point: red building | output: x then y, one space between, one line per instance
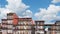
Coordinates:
15 25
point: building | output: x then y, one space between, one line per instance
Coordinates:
57 27
50 28
23 26
39 27
0 28
15 25
7 24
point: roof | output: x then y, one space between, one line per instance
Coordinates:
21 19
10 13
49 24
4 19
40 20
57 22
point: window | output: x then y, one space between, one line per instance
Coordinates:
4 31
29 23
21 32
25 23
57 27
29 32
10 17
40 27
34 26
20 23
17 32
39 32
58 23
10 21
25 32
4 25
10 26
4 21
13 27
37 22
27 27
18 27
21 27
10 31
57 32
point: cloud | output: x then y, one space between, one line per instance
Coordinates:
48 14
16 6
3 12
55 1
28 13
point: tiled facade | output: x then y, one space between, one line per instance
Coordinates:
15 25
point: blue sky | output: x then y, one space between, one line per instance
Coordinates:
47 10
3 3
34 4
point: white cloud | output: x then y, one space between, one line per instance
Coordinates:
48 14
28 13
55 1
16 6
3 13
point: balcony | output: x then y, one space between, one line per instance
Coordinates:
10 31
24 23
24 27
23 32
4 28
10 27
39 27
10 21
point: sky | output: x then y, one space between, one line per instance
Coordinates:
47 10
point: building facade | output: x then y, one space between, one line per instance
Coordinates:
39 27
57 27
15 25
